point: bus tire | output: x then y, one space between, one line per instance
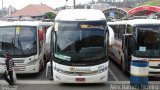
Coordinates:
45 59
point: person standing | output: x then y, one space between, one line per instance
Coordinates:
9 69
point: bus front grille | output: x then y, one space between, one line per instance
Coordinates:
18 61
19 65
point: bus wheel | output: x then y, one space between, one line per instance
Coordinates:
45 59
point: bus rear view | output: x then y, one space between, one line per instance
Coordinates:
79 45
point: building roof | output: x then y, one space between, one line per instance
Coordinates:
33 10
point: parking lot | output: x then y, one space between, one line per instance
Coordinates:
116 81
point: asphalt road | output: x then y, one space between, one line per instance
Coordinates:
116 81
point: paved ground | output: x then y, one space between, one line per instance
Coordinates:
49 85
116 81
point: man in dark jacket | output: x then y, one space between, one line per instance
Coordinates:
9 72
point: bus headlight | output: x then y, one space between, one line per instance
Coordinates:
59 70
32 62
102 70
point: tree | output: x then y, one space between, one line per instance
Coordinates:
49 15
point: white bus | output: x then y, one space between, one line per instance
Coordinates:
137 39
25 43
79 45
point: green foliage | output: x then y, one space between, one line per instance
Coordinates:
153 3
49 15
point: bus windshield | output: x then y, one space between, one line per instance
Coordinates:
148 44
80 40
19 41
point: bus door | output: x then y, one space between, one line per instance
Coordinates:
126 50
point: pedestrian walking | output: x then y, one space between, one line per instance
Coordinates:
9 68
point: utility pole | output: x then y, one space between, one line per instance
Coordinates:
74 4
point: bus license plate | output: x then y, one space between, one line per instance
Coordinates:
80 79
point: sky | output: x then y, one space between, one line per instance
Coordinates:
19 4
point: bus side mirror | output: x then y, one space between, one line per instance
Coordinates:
52 40
111 36
52 43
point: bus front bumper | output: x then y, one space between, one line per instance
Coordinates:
98 78
154 72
